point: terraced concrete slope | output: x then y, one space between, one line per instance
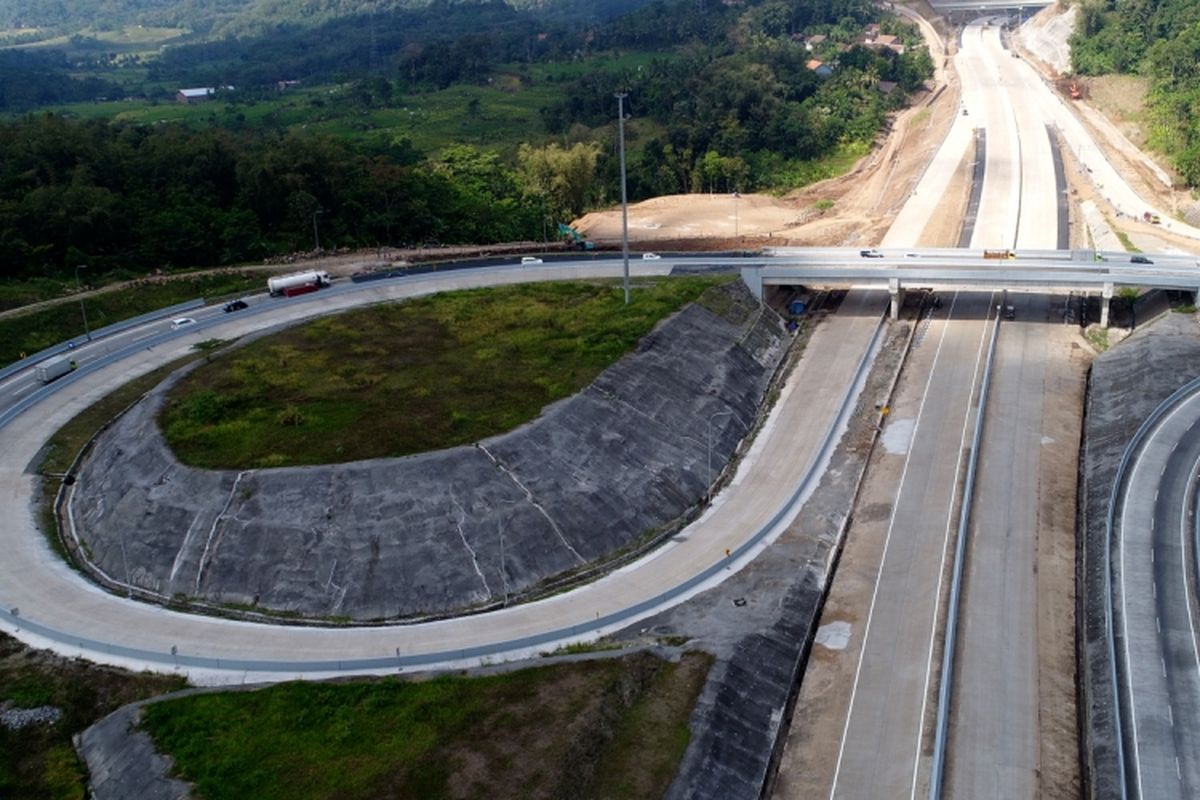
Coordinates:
445 531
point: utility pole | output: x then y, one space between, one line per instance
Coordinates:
82 308
624 198
316 236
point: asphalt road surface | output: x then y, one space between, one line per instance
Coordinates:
880 753
884 745
36 586
1156 608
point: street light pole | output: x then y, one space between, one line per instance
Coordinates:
624 198
82 307
736 195
725 413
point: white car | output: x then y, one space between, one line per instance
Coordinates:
181 322
530 260
650 256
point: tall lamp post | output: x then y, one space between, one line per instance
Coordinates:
725 413
316 236
624 199
736 195
82 307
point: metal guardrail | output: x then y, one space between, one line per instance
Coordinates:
173 657
1116 499
964 518
99 333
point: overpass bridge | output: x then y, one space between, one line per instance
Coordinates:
986 7
1086 271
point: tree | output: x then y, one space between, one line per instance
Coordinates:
563 178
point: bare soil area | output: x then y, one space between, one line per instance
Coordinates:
854 209
1065 385
1121 98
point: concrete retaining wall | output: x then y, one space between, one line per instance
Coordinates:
440 532
1126 384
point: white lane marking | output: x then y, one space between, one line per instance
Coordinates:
887 540
1178 773
1171 718
1157 623
937 605
1183 562
1163 663
24 389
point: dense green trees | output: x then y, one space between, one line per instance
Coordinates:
731 105
117 196
1160 39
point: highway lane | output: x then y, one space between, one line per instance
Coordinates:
1055 110
883 747
35 581
993 742
994 731
1156 608
880 751
24 381
997 223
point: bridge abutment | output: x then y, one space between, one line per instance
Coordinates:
1105 302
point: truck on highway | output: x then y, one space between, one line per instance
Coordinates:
315 278
54 368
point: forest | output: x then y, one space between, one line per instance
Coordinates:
726 104
1159 39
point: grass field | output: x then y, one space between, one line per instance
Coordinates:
39 329
507 112
391 380
613 728
39 761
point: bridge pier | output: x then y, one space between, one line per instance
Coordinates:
897 298
1105 302
752 276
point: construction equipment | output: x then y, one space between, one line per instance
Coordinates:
575 237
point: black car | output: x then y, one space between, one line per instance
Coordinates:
236 305
1139 260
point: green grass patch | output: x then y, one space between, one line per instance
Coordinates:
1126 242
795 174
45 327
1098 338
39 761
613 728
506 114
397 379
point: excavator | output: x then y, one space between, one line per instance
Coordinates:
575 237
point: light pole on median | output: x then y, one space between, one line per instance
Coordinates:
624 199
82 307
725 413
736 195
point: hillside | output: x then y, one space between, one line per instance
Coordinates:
221 18
1159 39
